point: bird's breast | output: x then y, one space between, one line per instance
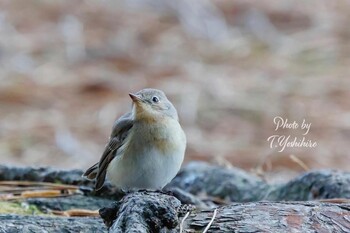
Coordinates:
166 136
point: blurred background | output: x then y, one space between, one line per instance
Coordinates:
230 67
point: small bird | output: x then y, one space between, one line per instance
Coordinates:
146 147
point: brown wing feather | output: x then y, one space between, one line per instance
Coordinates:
119 132
91 172
107 156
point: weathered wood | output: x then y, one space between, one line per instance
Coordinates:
68 202
156 212
20 224
44 174
313 185
274 217
49 174
234 184
231 184
203 185
143 212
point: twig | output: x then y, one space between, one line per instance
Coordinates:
335 200
299 162
77 213
34 194
183 221
211 221
34 183
13 190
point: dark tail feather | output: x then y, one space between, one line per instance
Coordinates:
100 179
91 173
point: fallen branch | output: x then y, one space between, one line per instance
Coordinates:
156 212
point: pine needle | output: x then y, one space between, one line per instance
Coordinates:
77 213
299 162
183 221
34 183
13 190
211 221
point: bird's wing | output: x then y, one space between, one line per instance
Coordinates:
119 132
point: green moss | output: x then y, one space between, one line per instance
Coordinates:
19 208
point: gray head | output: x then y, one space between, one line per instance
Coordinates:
152 103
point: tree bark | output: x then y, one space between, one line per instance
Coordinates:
205 186
39 224
157 212
273 217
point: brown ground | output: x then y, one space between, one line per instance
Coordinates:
229 67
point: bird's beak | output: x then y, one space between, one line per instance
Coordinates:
135 98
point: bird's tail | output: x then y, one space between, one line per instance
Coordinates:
91 173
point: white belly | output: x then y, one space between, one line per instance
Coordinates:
147 171
144 164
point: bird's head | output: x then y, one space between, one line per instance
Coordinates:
152 104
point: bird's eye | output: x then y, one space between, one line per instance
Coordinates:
155 99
